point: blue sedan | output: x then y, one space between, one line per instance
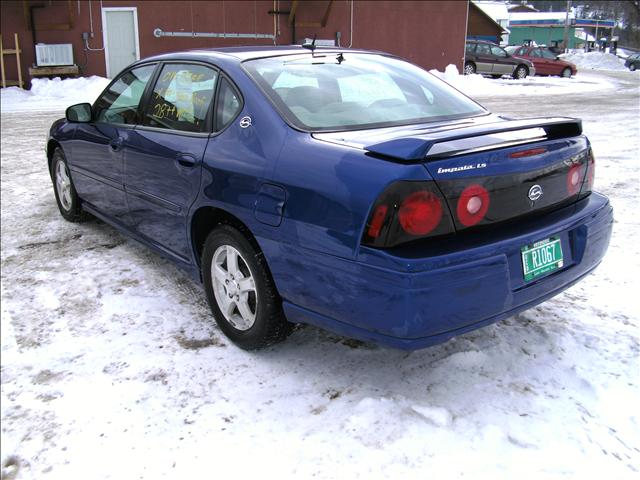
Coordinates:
342 188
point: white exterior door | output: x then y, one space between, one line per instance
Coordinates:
120 33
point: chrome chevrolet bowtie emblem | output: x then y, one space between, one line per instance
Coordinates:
535 193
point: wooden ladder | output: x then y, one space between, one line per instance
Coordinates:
12 51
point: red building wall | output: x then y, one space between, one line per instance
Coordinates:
428 33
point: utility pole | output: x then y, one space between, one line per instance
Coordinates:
565 40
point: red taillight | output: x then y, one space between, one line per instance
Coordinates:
574 179
472 205
407 211
420 213
377 220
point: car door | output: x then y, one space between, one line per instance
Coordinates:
484 62
502 62
97 156
539 62
163 159
552 66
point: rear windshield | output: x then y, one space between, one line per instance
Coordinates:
350 91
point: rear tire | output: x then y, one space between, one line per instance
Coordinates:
67 198
520 72
566 73
240 291
469 68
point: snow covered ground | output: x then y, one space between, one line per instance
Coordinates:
477 85
52 95
113 368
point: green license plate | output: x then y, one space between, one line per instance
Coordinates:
541 258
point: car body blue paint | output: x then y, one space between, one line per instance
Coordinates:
415 297
306 200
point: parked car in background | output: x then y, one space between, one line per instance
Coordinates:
633 62
343 188
545 61
488 58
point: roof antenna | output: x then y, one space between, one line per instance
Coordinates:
311 46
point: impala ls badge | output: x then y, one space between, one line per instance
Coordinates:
535 193
245 122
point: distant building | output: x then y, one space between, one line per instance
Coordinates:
547 28
482 25
103 36
523 7
498 11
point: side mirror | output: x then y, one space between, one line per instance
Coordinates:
80 113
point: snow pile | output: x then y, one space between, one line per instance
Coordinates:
594 60
469 84
478 85
52 94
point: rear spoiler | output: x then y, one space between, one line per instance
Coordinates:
418 147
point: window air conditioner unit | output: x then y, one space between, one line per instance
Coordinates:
54 55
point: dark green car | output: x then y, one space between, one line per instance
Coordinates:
633 62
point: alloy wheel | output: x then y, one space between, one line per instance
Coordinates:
63 186
234 287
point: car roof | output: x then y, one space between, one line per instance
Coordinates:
253 52
483 41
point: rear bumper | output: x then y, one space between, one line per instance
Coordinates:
411 300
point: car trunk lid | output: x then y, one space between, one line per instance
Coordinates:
489 170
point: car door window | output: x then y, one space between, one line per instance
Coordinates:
498 52
548 54
535 53
228 106
470 47
119 104
483 49
181 98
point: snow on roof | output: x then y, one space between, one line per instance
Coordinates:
581 34
539 15
496 9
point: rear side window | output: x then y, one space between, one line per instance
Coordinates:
119 104
181 98
470 47
229 104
